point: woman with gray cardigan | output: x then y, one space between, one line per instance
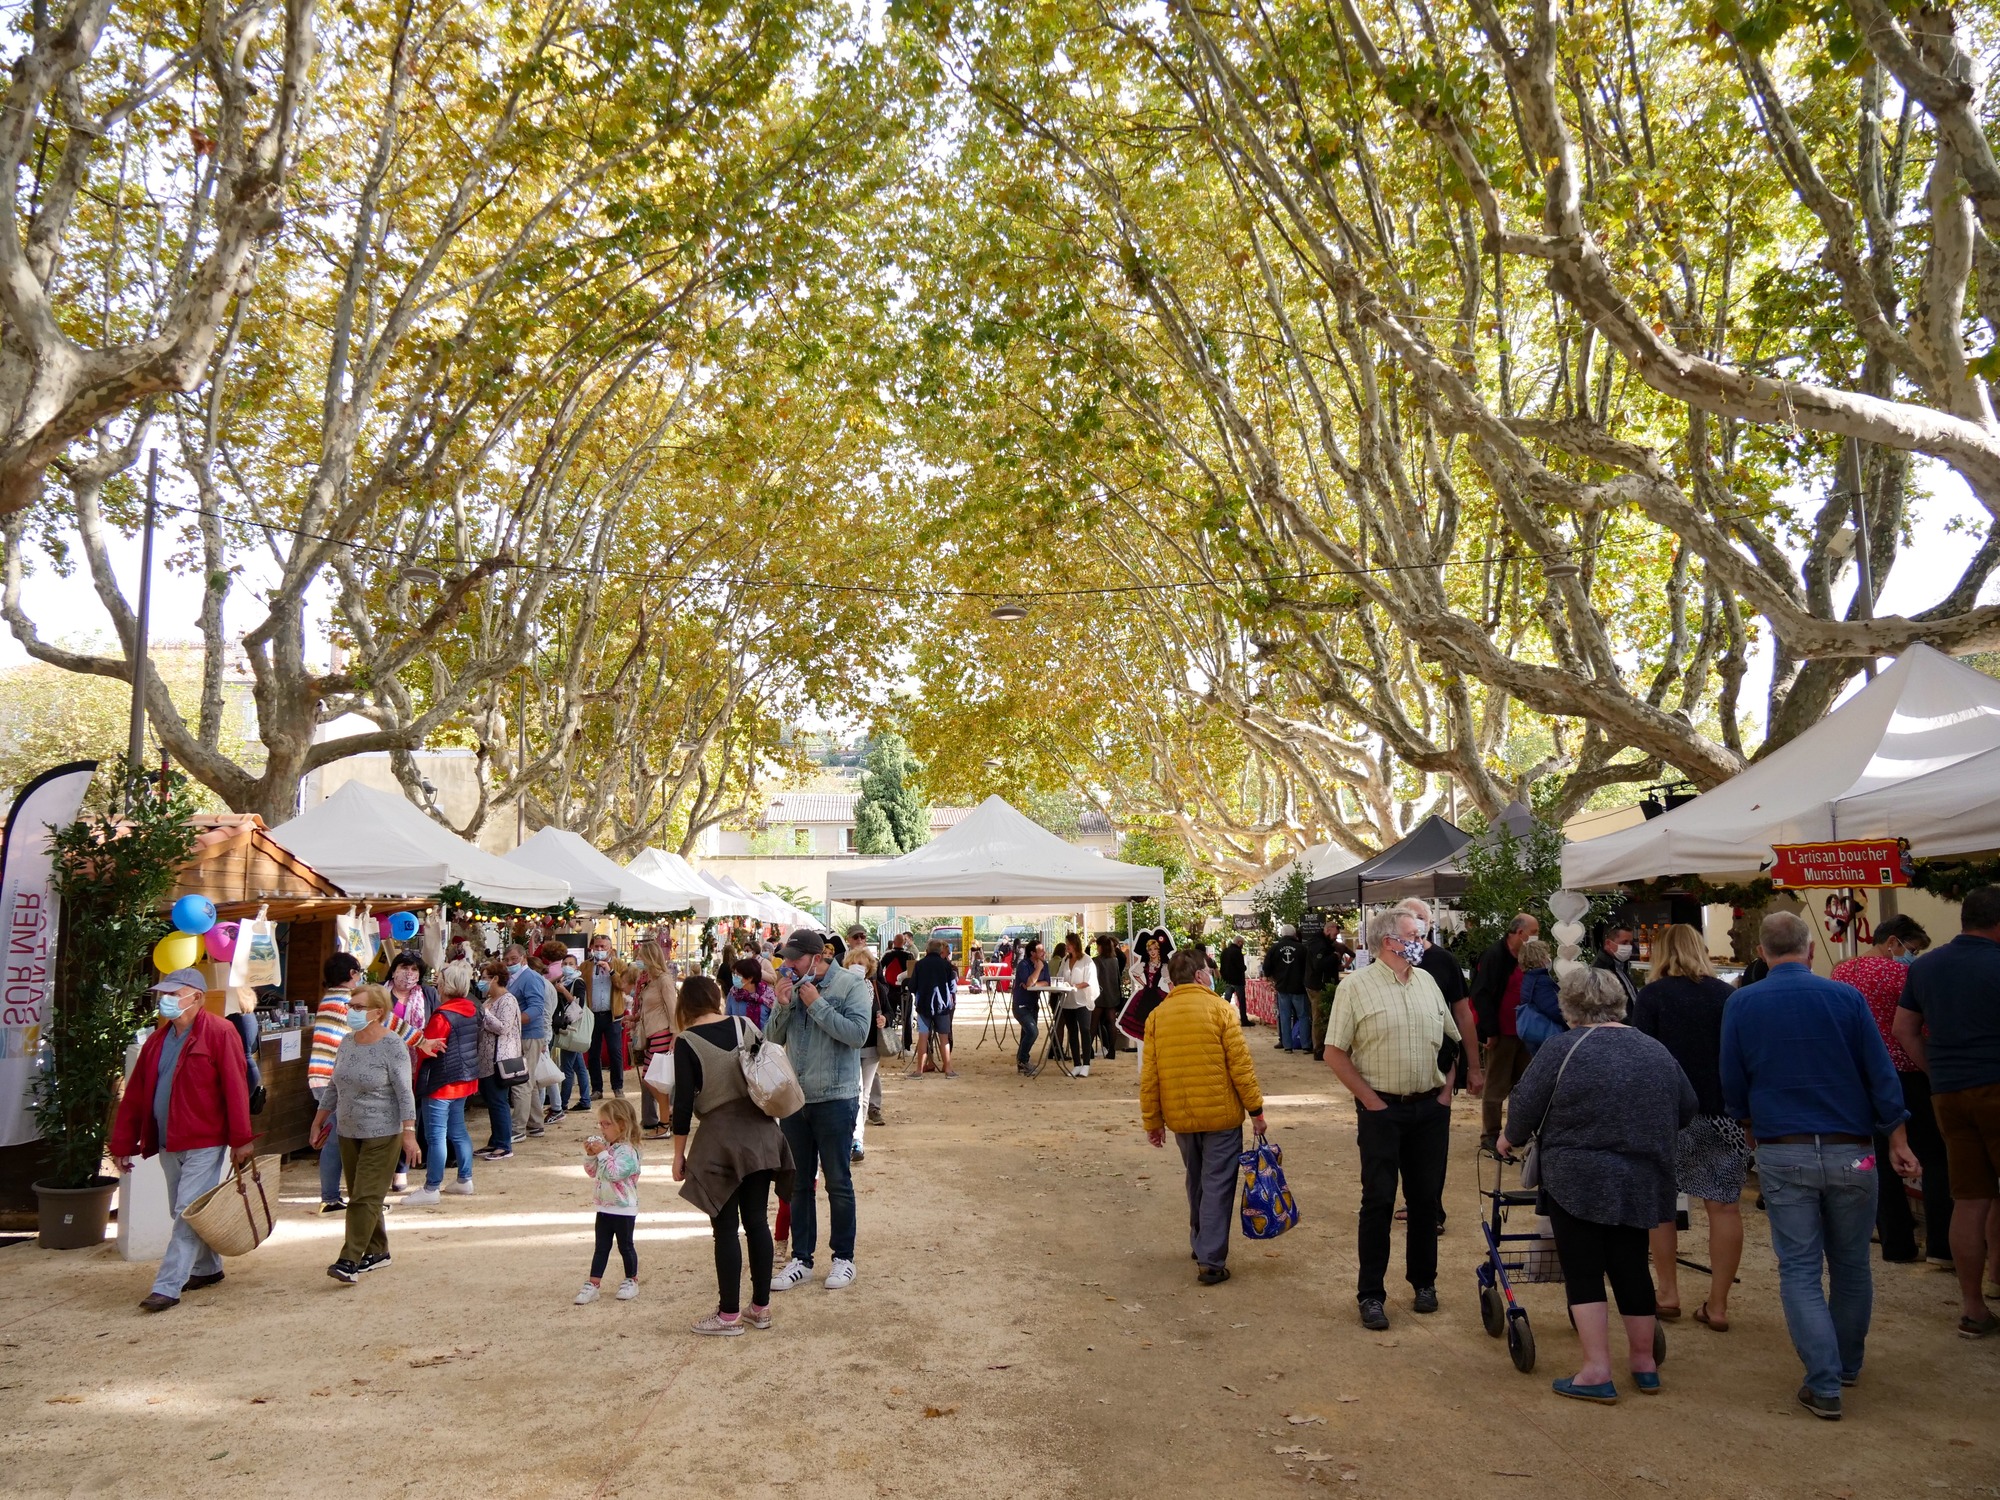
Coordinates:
369 1093
1606 1103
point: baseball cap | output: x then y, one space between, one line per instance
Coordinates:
857 931
180 979
803 945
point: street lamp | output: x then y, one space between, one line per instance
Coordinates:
1010 611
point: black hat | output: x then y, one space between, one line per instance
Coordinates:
803 945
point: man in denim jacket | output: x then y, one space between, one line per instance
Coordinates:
822 1019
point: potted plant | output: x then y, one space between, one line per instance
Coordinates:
112 873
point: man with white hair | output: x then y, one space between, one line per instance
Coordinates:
1285 967
1806 1073
1383 1042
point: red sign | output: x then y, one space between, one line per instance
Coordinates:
1847 862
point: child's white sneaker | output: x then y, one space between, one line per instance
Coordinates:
627 1289
796 1273
587 1295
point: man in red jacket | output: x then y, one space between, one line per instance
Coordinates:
188 1100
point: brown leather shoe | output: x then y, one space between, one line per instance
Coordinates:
196 1283
157 1302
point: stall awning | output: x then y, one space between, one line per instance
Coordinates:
1876 759
596 881
1419 855
996 859
671 872
374 844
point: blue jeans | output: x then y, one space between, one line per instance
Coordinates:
1027 1015
576 1070
1294 1022
329 1157
499 1111
444 1119
1820 1201
189 1175
822 1139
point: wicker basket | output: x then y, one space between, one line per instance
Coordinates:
234 1216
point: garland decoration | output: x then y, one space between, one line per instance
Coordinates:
631 914
1950 879
1954 879
462 903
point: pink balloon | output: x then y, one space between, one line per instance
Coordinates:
221 941
382 928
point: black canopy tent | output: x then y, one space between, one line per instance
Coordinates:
1423 863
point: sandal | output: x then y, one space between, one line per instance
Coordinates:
1978 1328
1667 1314
1717 1325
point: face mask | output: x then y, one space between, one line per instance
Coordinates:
170 1007
569 971
1412 949
514 969
357 1016
1906 959
736 981
1622 952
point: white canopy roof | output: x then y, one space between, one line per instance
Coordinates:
596 881
670 872
1896 759
1317 861
374 843
996 860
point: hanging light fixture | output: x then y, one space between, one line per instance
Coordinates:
1010 610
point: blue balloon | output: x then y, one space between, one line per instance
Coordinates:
403 926
195 914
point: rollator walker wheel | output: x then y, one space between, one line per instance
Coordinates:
1493 1310
1521 1344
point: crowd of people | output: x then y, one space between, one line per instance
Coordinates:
1622 1095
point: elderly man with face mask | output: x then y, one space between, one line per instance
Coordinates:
188 1102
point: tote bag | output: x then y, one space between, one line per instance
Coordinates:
234 1217
767 1073
1268 1206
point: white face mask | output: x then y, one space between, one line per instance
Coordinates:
1622 952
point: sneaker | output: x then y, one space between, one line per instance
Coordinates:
459 1187
627 1289
533 1130
796 1273
874 1115
587 1296
519 1136
423 1197
373 1261
840 1274
1212 1275
335 1207
1427 1300
857 1154
401 1183
1968 1328
1826 1408
1082 1072
757 1317
495 1153
345 1271
1374 1317
715 1326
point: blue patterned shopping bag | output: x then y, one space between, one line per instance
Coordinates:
1268 1206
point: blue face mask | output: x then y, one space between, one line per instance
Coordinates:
170 1007
357 1016
1906 959
513 969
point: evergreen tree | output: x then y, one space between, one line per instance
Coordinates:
892 816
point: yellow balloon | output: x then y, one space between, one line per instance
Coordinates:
177 950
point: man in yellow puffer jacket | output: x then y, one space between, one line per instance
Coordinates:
1196 1079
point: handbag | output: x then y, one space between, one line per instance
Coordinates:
767 1073
512 1070
548 1072
660 1072
1531 1159
234 1217
889 1040
1268 1206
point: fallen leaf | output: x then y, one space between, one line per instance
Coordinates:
322 1393
1347 1400
1524 1474
62 1401
1239 1395
259 1400
1963 1443
999 1367
214 1456
1649 1478
1319 1458
1292 1452
940 1411
1305 1420
156 1400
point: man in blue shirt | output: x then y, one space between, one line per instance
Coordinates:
1805 1070
533 994
1949 1022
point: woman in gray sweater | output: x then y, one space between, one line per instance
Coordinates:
1606 1103
370 1095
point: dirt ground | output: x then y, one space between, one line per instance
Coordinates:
1026 1322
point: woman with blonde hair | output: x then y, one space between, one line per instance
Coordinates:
370 1094
1682 1010
654 985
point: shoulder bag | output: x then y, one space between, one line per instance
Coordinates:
767 1073
234 1217
511 1070
1531 1159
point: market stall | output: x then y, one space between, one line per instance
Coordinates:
671 872
597 883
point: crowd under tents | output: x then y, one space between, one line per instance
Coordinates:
1914 754
376 846
996 860
597 883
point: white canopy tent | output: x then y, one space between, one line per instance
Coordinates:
373 843
1902 757
996 860
1318 861
670 872
596 881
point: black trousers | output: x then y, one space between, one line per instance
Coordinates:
1894 1222
748 1206
607 1049
1409 1141
1074 1025
614 1227
1104 1022
1590 1252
